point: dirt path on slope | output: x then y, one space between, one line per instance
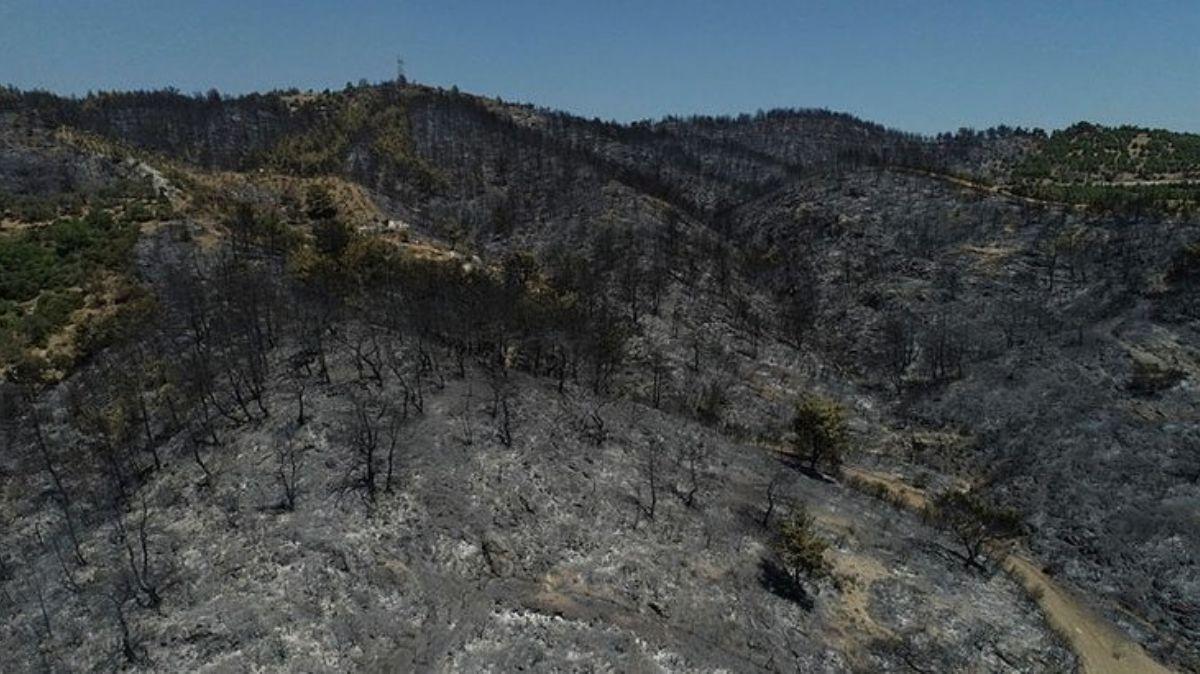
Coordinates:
1101 647
984 187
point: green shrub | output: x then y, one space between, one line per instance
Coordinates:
820 431
801 551
139 212
43 268
51 311
372 117
25 268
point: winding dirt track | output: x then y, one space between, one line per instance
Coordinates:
1101 647
984 187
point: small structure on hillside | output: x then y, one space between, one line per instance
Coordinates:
387 226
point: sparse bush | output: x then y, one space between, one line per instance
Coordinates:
651 471
974 522
138 212
774 495
1151 376
944 344
693 460
1185 267
877 490
289 459
711 405
897 347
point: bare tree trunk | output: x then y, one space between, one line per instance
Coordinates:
64 497
195 446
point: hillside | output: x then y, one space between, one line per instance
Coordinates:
1123 154
402 378
1123 170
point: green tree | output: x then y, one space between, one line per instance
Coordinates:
801 551
820 437
319 203
331 236
242 223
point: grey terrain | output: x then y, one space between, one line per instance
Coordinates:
550 426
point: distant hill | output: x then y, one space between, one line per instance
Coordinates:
1090 153
1125 169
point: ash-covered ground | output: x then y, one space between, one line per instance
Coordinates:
536 556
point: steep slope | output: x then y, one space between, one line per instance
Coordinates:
515 525
1063 384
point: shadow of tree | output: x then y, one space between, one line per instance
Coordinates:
801 466
813 473
988 567
777 581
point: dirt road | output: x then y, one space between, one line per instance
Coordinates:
1101 647
991 189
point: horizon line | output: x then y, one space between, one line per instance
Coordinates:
733 116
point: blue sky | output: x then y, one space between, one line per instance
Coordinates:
923 66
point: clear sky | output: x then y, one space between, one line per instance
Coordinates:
920 65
